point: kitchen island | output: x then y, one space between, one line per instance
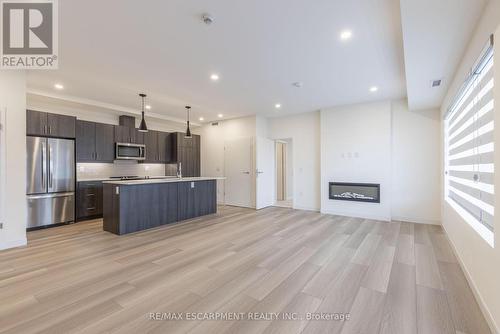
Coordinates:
136 205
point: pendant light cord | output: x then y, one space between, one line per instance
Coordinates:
142 106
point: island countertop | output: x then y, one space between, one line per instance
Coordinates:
163 180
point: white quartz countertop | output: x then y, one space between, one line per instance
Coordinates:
164 180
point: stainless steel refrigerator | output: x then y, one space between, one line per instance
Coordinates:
50 181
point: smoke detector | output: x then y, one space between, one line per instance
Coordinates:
207 18
297 84
436 83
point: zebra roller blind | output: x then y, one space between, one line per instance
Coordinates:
469 146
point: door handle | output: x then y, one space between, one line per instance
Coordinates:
44 166
246 172
51 166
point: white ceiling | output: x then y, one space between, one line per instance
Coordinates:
435 33
111 50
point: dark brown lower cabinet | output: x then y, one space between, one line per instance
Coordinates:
89 200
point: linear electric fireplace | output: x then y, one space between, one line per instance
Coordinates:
359 192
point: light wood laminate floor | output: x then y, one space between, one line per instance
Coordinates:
390 277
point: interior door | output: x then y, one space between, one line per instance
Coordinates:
264 172
61 162
238 167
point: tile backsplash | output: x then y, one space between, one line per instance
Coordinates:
118 168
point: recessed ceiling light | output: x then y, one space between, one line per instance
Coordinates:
148 107
58 86
220 115
277 106
345 35
214 77
201 119
373 89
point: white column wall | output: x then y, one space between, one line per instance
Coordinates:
13 103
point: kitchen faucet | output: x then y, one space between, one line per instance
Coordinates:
179 170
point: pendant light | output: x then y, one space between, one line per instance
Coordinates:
188 130
143 127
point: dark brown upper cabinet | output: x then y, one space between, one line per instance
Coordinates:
163 153
104 142
94 142
151 142
125 134
156 147
50 125
185 151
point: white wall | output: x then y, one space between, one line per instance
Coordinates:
415 160
13 101
212 145
356 147
384 143
478 259
303 129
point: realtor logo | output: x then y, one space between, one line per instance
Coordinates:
29 34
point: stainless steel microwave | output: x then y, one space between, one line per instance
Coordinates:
126 151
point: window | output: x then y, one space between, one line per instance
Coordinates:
469 148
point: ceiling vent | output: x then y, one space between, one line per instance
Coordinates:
436 83
215 123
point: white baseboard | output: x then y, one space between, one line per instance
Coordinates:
305 208
348 214
13 244
475 291
417 220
